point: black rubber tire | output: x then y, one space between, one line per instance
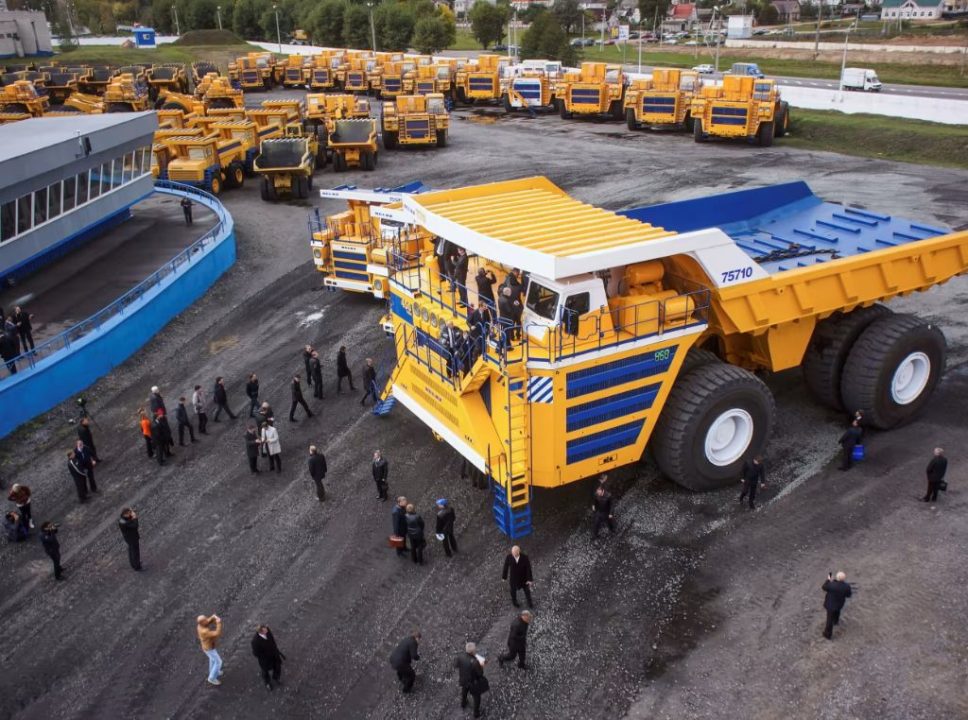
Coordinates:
321 157
630 119
215 185
688 122
565 115
782 119
874 360
366 160
374 159
339 162
697 132
697 357
389 139
765 134
696 400
264 187
616 111
506 102
235 175
462 96
441 138
823 362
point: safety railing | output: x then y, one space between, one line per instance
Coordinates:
75 333
365 235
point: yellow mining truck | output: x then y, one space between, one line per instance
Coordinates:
171 100
123 94
287 164
82 103
22 98
355 77
352 143
163 153
532 87
482 79
269 122
663 100
295 109
647 328
742 107
219 94
435 78
167 76
244 132
595 89
320 73
295 72
397 79
374 73
207 162
415 120
350 248
320 107
255 71
95 82
60 85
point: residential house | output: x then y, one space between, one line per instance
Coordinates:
912 9
787 11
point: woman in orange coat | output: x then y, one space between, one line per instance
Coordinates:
145 424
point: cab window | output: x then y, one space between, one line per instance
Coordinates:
542 301
575 307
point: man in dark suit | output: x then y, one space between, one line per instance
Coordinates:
399 519
935 472
485 286
317 471
381 470
402 659
221 398
471 677
848 441
267 653
602 506
252 392
48 538
184 423
343 370
460 275
252 442
317 369
297 399
837 593
84 459
128 525
445 526
307 363
78 475
754 475
369 383
85 435
517 640
517 572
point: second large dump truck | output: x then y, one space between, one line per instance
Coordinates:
286 166
741 108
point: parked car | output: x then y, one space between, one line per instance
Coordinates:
705 69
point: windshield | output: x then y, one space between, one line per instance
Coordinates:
611 76
436 106
443 73
408 67
542 301
197 153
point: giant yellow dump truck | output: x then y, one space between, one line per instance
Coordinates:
123 94
645 328
481 80
415 120
207 162
742 107
663 100
21 98
595 89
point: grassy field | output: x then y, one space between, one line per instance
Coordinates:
876 136
938 75
112 55
465 41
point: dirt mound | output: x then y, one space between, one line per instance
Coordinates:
209 37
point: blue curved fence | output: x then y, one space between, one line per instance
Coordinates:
66 364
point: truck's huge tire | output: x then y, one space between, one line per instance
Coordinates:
716 417
893 368
563 111
823 362
630 119
615 110
235 175
268 190
782 119
696 357
389 139
697 132
441 138
765 134
506 102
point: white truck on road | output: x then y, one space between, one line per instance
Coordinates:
860 79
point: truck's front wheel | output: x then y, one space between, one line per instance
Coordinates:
716 417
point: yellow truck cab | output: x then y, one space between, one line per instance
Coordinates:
244 132
481 80
295 71
742 107
645 328
665 99
207 162
22 98
595 89
415 120
355 80
321 76
162 152
532 85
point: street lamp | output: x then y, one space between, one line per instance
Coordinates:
843 62
275 9
218 13
174 10
369 6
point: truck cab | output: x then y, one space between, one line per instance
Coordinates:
567 303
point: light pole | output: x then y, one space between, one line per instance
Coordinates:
275 9
218 13
816 38
843 62
604 23
719 33
369 6
583 28
174 10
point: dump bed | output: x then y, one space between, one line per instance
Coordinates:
282 154
353 132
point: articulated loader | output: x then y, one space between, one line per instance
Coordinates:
742 107
647 328
663 100
415 120
123 94
596 89
22 98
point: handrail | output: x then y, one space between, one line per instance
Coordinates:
64 339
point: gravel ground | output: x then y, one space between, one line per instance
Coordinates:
691 587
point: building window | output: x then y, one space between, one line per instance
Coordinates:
25 212
54 200
83 187
70 193
94 184
106 177
8 220
40 206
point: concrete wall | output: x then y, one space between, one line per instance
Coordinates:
68 372
839 46
30 29
949 112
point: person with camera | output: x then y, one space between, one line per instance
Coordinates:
128 525
20 496
209 630
48 538
85 435
84 459
471 679
838 590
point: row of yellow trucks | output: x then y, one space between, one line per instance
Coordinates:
642 333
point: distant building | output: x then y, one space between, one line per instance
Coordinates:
911 10
787 10
680 18
739 27
24 33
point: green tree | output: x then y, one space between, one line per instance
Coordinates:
286 21
768 15
246 18
547 39
487 22
648 10
201 15
325 23
394 26
356 26
568 14
433 33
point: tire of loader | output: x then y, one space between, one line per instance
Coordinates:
265 189
893 368
765 134
823 362
716 417
630 119
697 132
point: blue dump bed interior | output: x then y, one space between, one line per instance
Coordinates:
784 227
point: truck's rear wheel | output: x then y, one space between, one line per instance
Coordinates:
339 162
615 110
235 176
688 122
716 417
823 363
697 132
442 138
696 357
782 119
506 102
389 139
268 190
893 368
765 134
215 185
630 119
563 110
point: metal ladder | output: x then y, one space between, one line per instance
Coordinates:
512 481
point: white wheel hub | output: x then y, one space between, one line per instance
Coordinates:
729 437
910 378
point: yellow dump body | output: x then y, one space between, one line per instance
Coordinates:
742 107
415 120
22 98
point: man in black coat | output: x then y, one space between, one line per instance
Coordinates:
848 441
77 475
460 275
399 520
317 370
297 399
402 659
517 640
252 441
159 439
267 653
517 572
8 353
381 469
343 370
369 382
24 327
445 526
754 475
837 593
317 471
84 459
602 507
471 677
128 525
48 538
935 473
307 360
85 435
181 417
252 391
485 286
156 401
415 535
221 397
